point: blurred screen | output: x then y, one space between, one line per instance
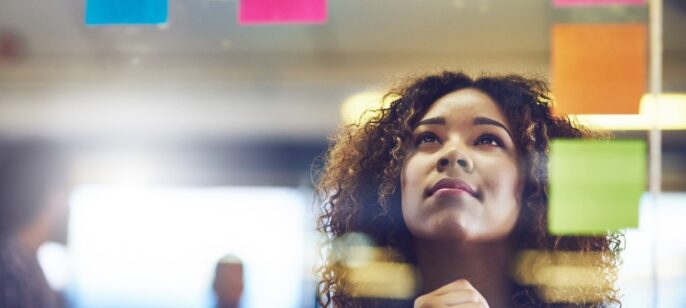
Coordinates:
158 247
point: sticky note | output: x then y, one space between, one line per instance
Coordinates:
598 68
566 3
595 186
104 12
281 11
563 3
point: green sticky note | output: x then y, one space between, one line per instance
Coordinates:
595 186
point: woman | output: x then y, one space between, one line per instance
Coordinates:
452 178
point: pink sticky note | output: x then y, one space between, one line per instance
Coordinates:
564 3
251 12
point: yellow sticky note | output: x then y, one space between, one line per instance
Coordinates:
595 186
598 68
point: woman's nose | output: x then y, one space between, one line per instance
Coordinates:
455 159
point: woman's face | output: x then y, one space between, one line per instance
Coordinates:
461 180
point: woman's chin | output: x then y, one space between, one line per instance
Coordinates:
459 234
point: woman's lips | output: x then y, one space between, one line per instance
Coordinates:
452 186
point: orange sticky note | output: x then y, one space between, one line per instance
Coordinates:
599 68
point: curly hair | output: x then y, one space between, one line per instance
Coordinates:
359 185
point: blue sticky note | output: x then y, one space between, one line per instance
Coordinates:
104 12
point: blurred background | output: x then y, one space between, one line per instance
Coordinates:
194 139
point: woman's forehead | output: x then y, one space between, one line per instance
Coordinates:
465 103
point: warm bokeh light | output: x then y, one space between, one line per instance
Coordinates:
371 271
671 115
382 280
564 276
359 108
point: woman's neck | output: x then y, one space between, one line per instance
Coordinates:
484 265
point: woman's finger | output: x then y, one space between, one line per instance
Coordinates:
459 297
460 284
459 293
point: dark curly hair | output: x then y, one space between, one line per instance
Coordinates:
359 183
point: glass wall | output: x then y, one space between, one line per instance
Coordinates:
193 130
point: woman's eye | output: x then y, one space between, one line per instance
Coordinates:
426 137
489 140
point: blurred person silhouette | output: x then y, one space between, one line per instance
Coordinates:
33 210
228 282
452 179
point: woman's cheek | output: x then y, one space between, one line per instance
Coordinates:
411 189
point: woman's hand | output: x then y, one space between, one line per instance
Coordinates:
459 293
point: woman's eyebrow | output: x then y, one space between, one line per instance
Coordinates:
437 120
489 121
